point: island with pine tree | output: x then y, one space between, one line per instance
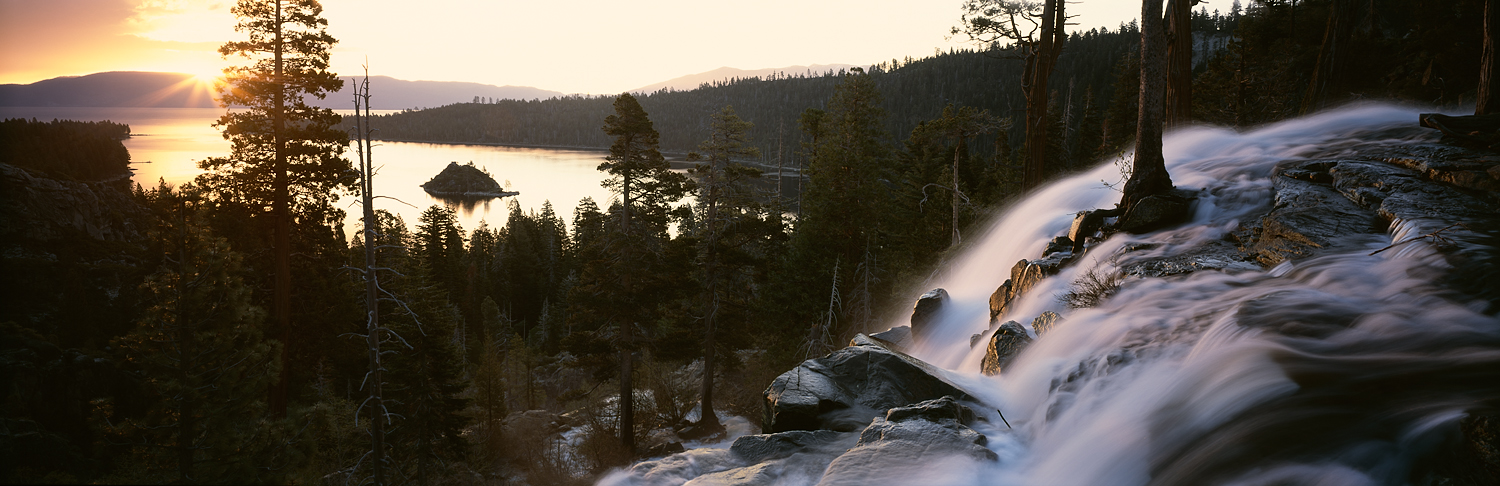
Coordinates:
465 181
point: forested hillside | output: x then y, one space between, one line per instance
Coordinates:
914 90
697 287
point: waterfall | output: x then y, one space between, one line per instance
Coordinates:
1339 369
1348 367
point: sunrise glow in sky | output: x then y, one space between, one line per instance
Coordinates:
579 46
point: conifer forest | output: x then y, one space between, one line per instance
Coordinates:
234 330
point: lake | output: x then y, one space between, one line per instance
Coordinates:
167 143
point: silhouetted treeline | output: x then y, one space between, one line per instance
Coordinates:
66 149
914 90
534 314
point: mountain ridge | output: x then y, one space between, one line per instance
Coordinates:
144 89
693 81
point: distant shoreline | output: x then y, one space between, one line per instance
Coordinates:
513 145
525 145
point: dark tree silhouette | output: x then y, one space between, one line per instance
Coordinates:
284 152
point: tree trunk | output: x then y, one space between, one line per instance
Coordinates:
1148 175
1489 84
627 392
1039 70
1330 76
627 335
186 349
958 149
706 415
372 284
281 214
1180 62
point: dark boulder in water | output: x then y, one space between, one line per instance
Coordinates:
1005 344
464 181
926 311
847 388
904 446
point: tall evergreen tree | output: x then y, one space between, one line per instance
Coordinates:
285 153
199 348
731 212
647 188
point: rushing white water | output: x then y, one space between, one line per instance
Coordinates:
1345 368
1342 369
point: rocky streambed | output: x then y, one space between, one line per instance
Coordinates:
871 413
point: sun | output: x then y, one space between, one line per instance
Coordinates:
208 77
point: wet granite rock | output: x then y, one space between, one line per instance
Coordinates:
845 389
1058 245
1045 322
1007 342
926 311
898 447
1000 299
897 338
1024 275
770 447
682 467
1310 217
1086 224
1158 211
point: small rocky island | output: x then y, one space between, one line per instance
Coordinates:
465 181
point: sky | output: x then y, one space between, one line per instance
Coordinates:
578 46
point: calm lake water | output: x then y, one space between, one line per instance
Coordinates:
168 142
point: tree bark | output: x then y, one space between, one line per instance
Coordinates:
1039 69
372 283
1489 83
627 336
1180 62
1330 76
1148 175
281 214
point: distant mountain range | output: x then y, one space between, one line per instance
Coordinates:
693 81
177 90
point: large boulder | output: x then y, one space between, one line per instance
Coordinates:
1158 211
682 467
926 311
908 444
1310 217
1024 275
769 447
1045 322
898 338
1005 344
847 388
1462 167
1086 224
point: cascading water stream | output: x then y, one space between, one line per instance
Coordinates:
1338 369
1342 368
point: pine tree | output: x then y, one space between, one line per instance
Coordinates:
199 348
730 207
286 155
647 188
